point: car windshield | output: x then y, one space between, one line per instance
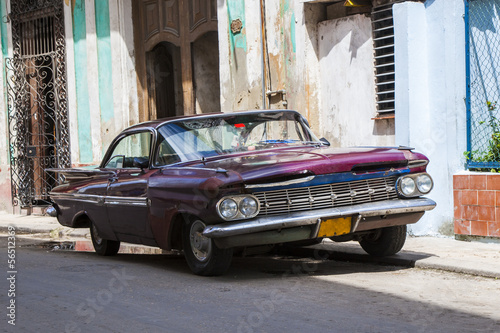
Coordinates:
206 137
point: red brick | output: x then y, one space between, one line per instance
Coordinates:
486 198
479 228
462 227
493 182
478 182
469 197
497 195
497 214
461 182
494 229
458 211
486 213
457 198
470 213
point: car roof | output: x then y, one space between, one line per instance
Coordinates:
153 124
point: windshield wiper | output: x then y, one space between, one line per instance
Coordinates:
318 143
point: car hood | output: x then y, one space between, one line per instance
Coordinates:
270 164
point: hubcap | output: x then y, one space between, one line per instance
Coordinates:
97 238
201 246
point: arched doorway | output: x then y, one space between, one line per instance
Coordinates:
164 81
187 30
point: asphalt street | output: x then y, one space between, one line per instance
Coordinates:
60 290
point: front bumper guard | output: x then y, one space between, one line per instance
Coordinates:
278 222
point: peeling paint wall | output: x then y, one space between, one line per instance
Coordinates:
239 55
326 88
101 75
291 60
205 53
348 85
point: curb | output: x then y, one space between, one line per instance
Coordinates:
47 232
401 259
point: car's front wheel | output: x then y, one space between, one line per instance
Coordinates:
202 255
384 242
103 247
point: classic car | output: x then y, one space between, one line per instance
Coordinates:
211 183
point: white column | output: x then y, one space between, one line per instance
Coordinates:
71 82
93 81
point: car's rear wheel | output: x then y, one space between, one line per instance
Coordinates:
103 247
384 242
202 255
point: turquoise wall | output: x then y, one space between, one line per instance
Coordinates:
82 91
104 58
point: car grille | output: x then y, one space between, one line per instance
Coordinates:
327 196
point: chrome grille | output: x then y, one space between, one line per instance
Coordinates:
327 196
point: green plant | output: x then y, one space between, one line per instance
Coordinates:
492 153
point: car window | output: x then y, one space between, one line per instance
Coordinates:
165 154
206 137
133 146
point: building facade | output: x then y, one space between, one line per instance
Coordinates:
384 73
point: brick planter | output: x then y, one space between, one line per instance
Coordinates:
476 199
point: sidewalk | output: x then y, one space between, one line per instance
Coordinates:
447 254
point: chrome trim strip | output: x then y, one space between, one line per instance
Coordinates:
380 208
126 201
90 198
102 199
285 183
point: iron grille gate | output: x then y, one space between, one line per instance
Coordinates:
482 18
36 99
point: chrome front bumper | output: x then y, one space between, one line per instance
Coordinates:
308 218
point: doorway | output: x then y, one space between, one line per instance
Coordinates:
37 105
164 81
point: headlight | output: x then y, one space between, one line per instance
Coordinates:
414 185
424 183
407 186
237 207
249 206
228 208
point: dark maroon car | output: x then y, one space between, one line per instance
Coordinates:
211 183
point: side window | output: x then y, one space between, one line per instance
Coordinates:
135 146
165 154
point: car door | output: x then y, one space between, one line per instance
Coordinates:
126 201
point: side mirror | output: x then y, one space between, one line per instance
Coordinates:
141 162
325 141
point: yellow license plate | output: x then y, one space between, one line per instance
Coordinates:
335 227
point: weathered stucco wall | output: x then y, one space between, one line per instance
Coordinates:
430 93
102 91
348 84
205 53
315 76
291 60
